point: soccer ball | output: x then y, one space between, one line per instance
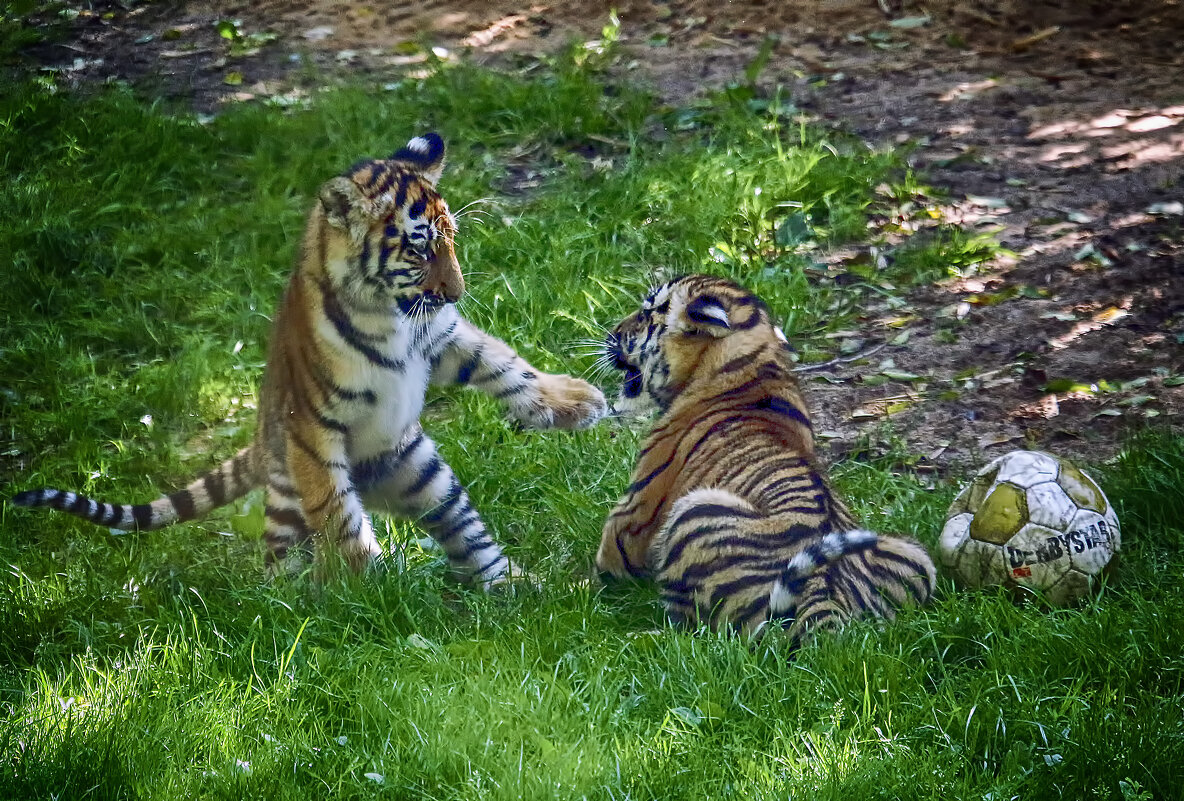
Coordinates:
1033 521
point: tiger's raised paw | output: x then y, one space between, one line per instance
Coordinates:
562 402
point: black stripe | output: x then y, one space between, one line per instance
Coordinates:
435 348
330 389
112 513
916 584
384 256
363 164
418 207
401 193
352 336
485 567
236 472
27 498
336 495
856 590
687 538
215 488
284 490
758 608
330 423
388 179
58 501
182 501
695 311
782 407
742 361
364 256
501 371
468 518
465 371
285 517
644 481
727 589
711 510
507 391
636 572
79 506
455 493
299 442
813 619
142 514
426 474
751 320
752 563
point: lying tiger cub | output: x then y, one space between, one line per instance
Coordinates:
729 507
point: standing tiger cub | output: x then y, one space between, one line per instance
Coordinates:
366 323
729 507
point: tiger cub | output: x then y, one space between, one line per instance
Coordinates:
366 323
729 507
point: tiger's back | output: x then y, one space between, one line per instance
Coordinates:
729 507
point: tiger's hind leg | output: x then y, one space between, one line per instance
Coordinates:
876 581
286 533
708 559
321 489
413 480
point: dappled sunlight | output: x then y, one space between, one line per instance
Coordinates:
1120 139
1108 316
968 90
498 29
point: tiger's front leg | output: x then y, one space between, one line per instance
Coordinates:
536 399
413 480
626 537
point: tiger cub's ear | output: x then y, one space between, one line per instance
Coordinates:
339 197
706 314
425 154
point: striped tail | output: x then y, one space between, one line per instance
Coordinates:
232 479
787 590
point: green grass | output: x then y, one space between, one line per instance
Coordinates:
143 254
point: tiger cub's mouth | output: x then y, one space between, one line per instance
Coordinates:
631 386
632 382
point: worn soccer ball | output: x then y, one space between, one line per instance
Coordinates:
1033 521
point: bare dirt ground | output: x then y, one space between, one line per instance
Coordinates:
1060 125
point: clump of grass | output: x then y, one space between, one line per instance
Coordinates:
147 252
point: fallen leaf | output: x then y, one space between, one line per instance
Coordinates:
987 202
416 640
1136 400
1027 41
319 33
910 22
1175 208
989 442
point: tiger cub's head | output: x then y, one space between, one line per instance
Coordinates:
387 234
687 327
